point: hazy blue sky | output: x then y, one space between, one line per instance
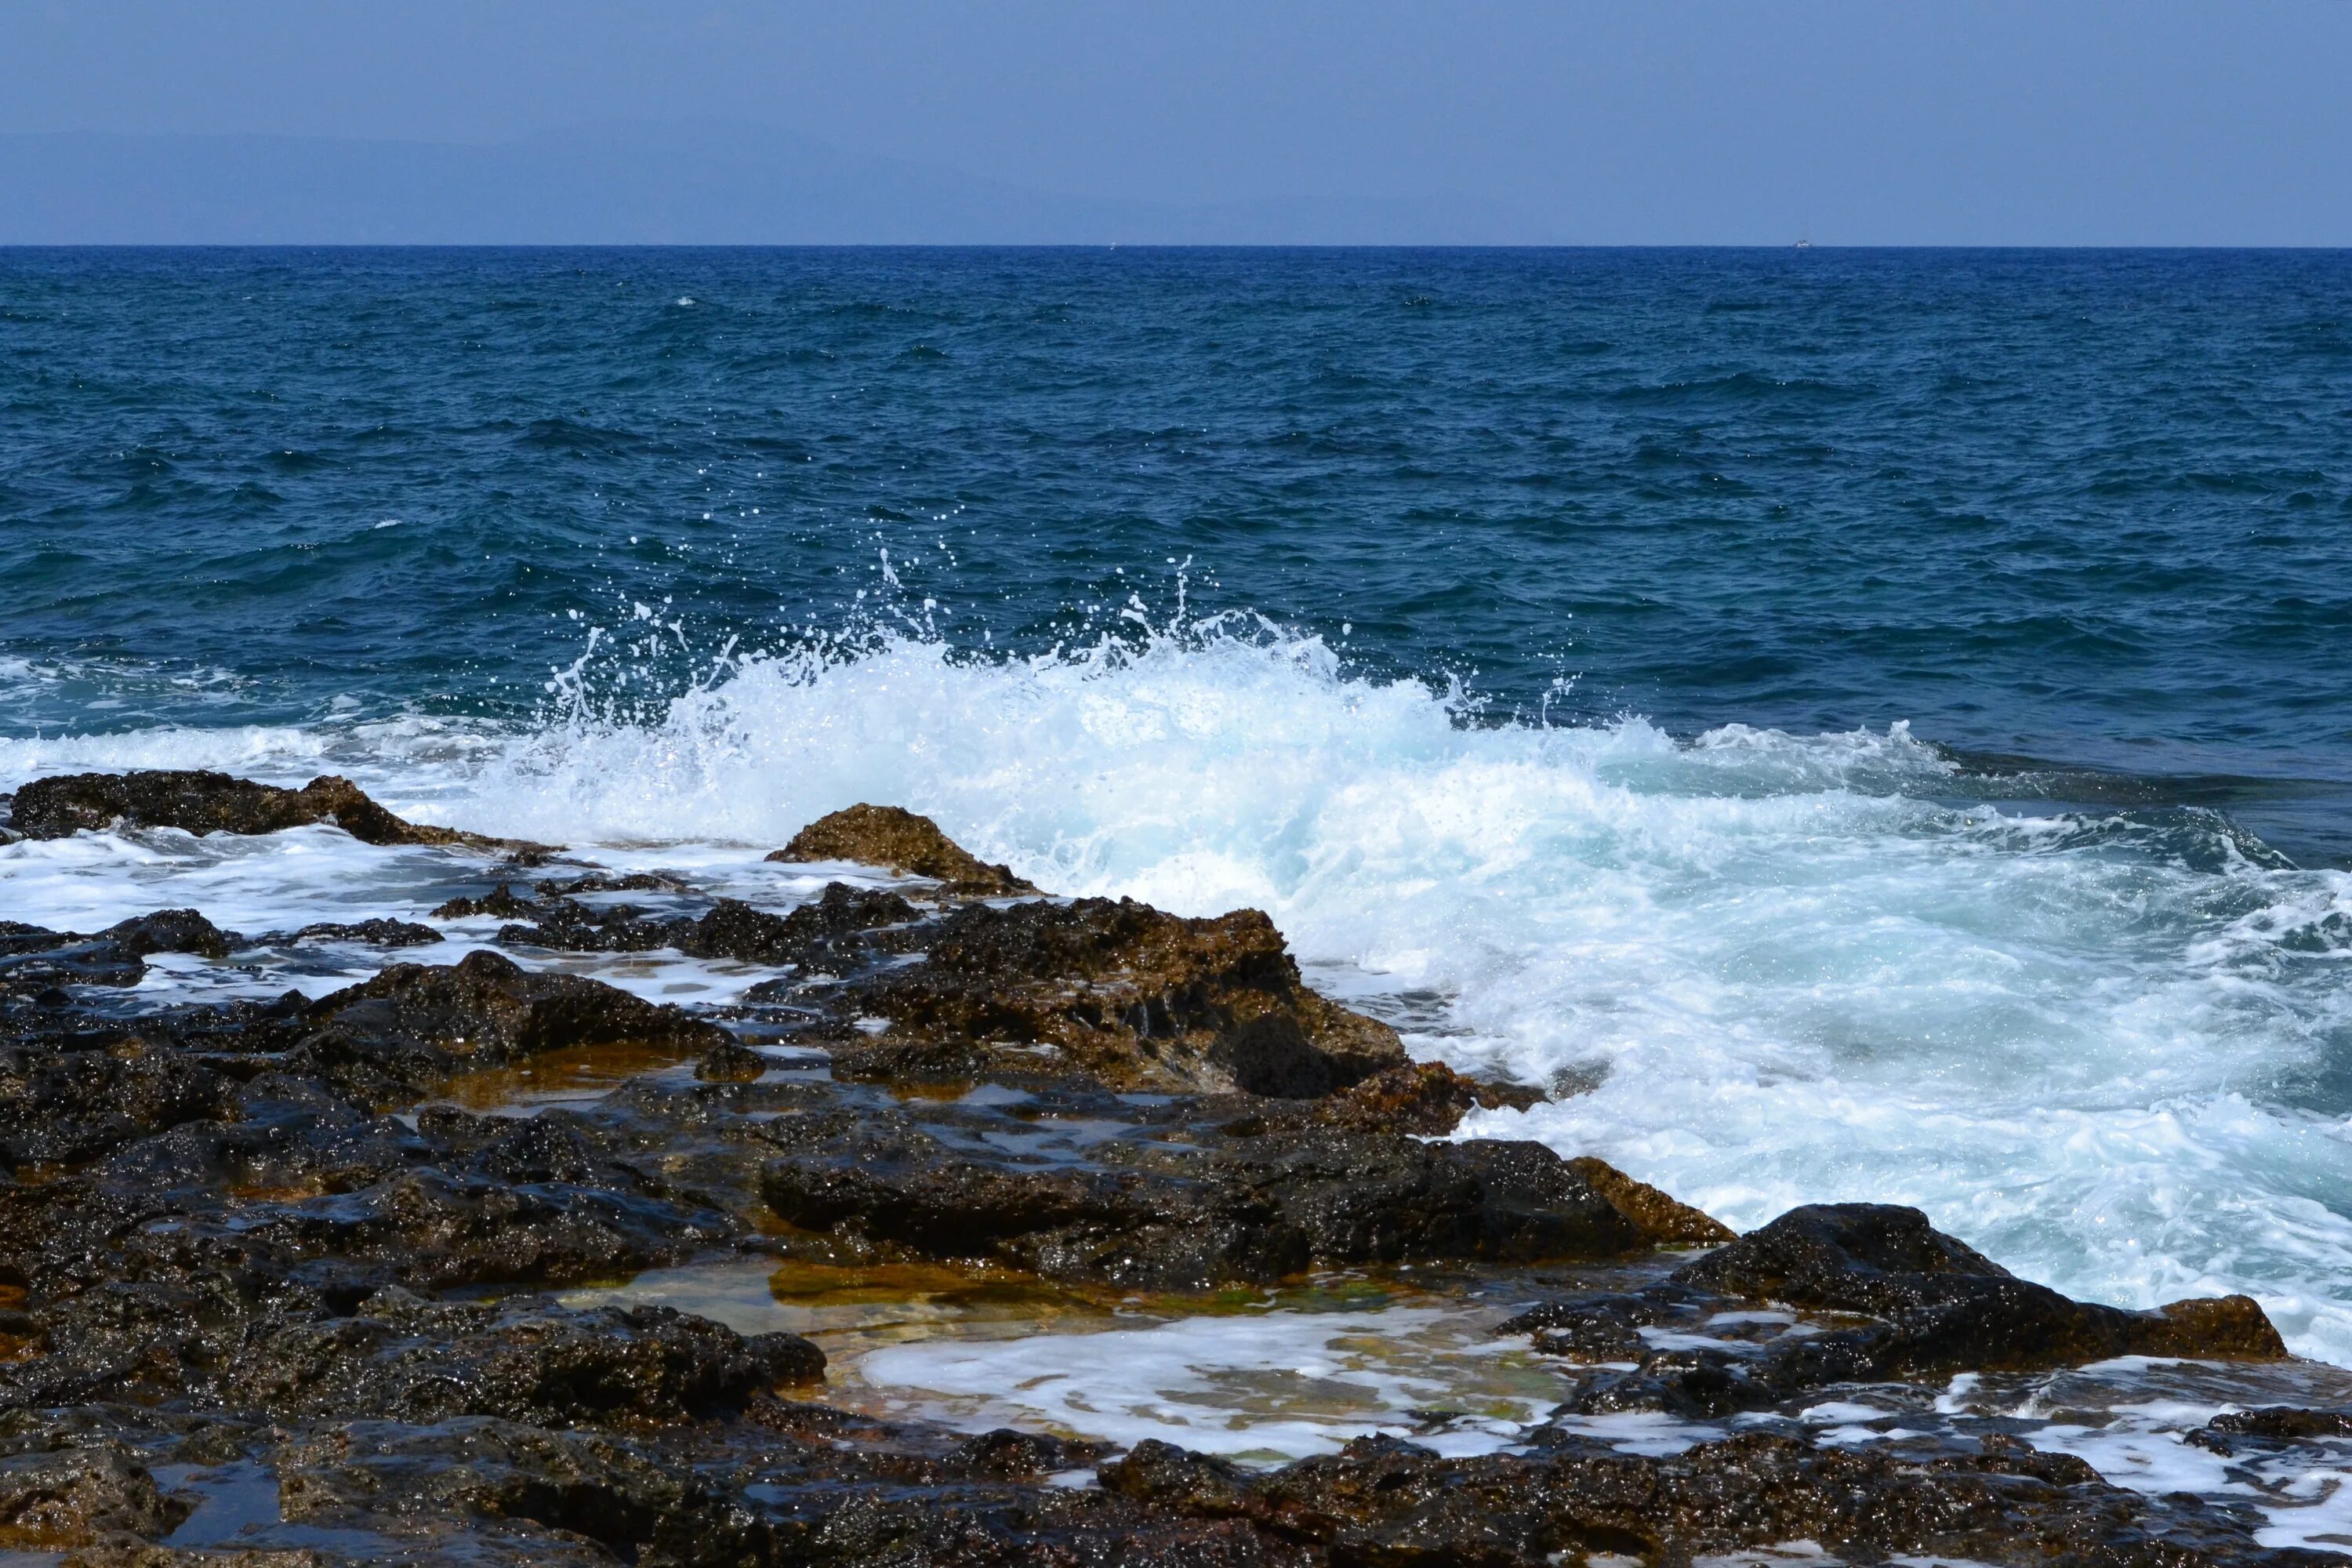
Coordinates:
1648 121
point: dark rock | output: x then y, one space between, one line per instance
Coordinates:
33 960
1856 1257
1427 1097
1120 991
379 932
811 934
78 1497
589 1488
64 1107
628 882
524 1359
202 801
500 901
733 1062
412 1024
1245 1209
171 931
1383 1501
1937 1307
1953 1308
521 1216
902 842
821 933
2270 1426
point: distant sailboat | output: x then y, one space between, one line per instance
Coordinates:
1805 235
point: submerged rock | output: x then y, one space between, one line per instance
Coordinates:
33 958
202 801
899 840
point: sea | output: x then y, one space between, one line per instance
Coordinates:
1856 725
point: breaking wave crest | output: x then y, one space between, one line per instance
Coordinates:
2113 1049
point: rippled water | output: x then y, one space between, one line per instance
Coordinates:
1875 724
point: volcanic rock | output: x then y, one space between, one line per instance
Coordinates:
1138 999
1232 1210
202 801
1382 1501
899 841
1937 1307
390 1036
524 1359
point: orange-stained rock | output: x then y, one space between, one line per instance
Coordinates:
901 841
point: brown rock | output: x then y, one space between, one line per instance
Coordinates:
200 802
1667 1220
1125 993
73 1498
1426 1098
898 839
414 1022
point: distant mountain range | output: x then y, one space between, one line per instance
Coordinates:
676 184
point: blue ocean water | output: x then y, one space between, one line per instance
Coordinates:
1877 723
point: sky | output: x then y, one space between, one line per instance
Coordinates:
1661 121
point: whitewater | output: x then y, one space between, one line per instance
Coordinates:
1756 968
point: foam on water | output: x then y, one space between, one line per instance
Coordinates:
1272 1386
2109 1049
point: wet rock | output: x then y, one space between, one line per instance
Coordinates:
733 1062
899 841
1955 1308
817 1487
1859 1257
378 932
1667 1220
2270 1426
201 802
1120 991
822 932
34 960
626 882
1385 1501
525 1359
565 925
502 1222
62 1107
598 1493
1934 1307
1425 1098
501 901
77 1497
813 933
172 930
390 1036
1242 1209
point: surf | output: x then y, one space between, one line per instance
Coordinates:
1757 968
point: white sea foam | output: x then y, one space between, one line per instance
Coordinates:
1796 971
1270 1385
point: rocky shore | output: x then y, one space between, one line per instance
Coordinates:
270 1292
